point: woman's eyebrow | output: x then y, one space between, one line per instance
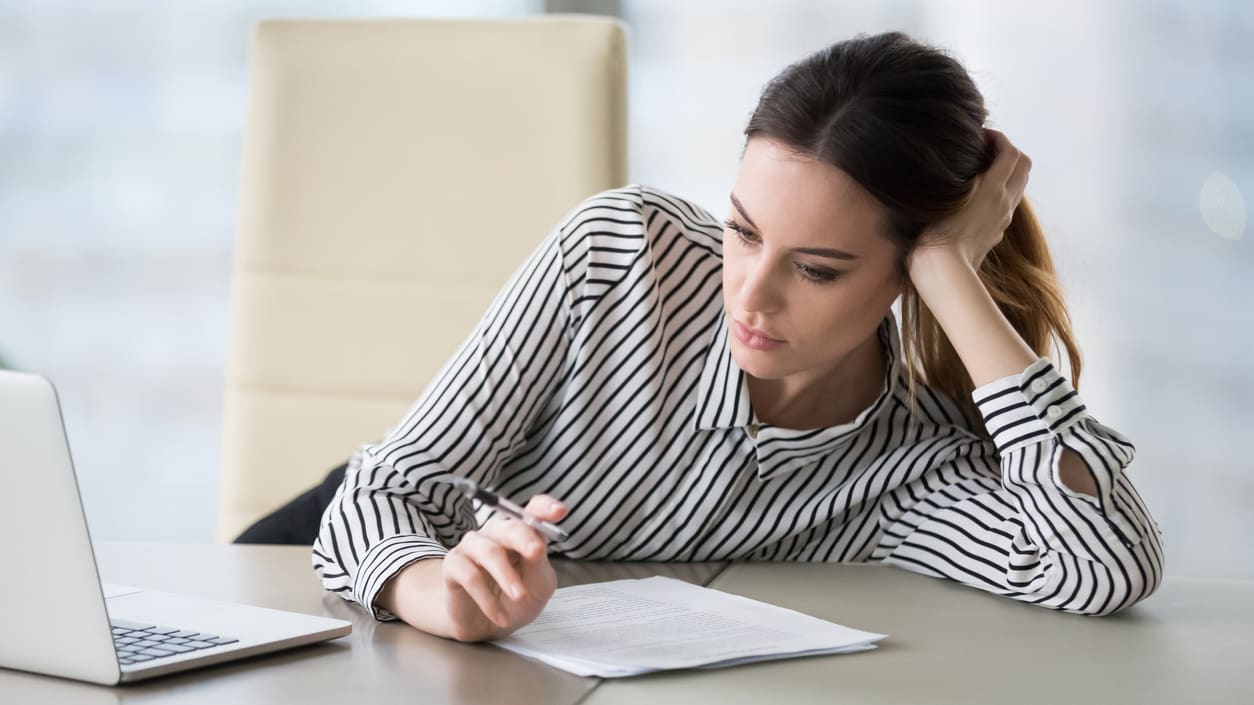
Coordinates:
741 210
824 252
819 251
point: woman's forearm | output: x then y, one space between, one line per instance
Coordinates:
990 348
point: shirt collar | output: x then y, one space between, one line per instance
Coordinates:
723 393
723 403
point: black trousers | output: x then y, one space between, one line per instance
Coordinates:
296 523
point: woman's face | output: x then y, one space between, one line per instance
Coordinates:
804 263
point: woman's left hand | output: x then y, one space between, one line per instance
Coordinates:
974 230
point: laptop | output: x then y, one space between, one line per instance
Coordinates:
56 618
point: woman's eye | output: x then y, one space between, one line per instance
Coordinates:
746 236
815 275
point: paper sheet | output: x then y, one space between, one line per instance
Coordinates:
627 627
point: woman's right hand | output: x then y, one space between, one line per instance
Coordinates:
494 581
499 578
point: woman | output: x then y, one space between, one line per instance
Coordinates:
693 390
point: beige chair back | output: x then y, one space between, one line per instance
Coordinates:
395 174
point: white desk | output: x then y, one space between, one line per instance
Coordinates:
1193 642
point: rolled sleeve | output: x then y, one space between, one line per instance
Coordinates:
383 561
1025 408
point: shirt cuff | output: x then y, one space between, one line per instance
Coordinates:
1025 408
383 561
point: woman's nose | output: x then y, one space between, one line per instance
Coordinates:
758 292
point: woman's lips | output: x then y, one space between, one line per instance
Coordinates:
753 337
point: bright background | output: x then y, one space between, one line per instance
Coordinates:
120 137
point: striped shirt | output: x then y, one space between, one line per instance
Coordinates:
602 375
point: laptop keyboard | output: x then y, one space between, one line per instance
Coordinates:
136 642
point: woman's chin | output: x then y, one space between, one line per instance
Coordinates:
759 364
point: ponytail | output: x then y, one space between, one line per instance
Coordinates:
1019 274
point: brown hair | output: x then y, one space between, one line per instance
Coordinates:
906 122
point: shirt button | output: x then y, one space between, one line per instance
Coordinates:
1039 386
753 430
1054 412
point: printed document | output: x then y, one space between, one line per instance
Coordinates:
627 627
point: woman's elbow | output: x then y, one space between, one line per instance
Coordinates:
1118 587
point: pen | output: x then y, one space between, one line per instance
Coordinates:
492 499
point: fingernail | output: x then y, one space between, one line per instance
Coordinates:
554 504
515 591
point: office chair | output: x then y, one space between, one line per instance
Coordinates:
395 173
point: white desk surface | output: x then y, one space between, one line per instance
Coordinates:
1192 642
